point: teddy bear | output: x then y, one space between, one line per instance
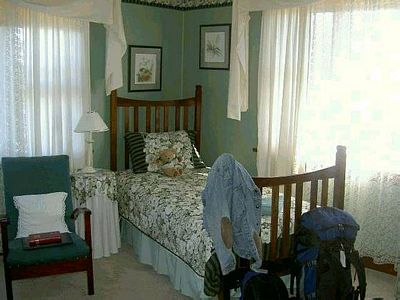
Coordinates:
167 164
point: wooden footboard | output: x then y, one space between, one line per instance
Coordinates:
296 183
293 186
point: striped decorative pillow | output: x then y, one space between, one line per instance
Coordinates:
196 159
135 142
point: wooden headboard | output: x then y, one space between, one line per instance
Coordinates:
159 110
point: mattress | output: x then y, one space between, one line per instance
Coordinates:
170 211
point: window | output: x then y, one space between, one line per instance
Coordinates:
44 83
353 99
353 90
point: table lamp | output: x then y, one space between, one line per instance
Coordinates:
88 123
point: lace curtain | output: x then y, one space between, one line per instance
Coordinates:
353 100
44 84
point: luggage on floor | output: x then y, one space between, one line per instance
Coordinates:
324 252
265 286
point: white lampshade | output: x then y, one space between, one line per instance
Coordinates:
91 122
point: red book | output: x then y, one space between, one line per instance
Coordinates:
45 238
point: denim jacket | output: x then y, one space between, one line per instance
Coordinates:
230 192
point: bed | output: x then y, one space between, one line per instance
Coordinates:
161 217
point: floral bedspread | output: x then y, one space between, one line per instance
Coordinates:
170 211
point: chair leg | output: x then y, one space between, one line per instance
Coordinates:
9 290
90 279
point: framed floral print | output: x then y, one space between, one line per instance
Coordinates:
215 46
145 65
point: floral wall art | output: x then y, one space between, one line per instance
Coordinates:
145 66
214 46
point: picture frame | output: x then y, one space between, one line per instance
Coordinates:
144 68
215 44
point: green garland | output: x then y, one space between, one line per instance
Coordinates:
156 3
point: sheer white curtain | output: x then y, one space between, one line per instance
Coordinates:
238 72
354 100
282 85
44 83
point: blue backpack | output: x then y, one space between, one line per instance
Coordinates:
324 253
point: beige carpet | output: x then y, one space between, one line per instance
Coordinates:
117 277
122 277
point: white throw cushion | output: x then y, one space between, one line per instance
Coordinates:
176 143
41 213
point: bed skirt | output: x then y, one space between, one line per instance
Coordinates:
149 252
164 262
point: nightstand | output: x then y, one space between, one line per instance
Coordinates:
96 191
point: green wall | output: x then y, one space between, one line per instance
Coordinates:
178 33
220 134
144 25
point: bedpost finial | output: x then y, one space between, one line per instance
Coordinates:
341 148
340 177
198 90
341 154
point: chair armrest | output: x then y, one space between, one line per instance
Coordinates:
4 235
88 230
80 210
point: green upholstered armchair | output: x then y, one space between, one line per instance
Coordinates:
41 175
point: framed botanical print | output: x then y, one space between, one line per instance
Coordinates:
145 65
215 46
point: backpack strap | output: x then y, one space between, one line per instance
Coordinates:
295 274
301 241
356 261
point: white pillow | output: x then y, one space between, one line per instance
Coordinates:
41 213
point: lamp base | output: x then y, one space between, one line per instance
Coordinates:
88 169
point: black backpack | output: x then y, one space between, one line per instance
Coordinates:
262 286
324 253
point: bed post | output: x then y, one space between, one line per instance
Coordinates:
340 177
113 131
197 122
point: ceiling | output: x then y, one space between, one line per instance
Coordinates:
182 4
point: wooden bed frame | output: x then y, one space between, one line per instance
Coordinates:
162 110
158 108
279 246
